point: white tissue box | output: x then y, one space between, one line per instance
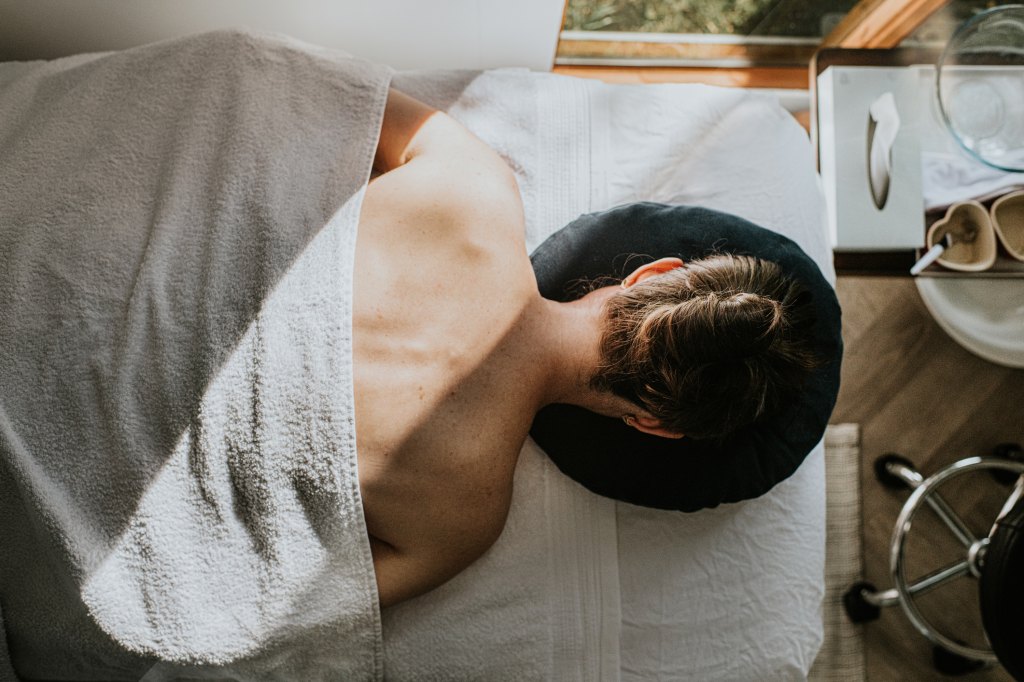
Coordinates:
858 220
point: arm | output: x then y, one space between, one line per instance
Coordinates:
413 130
404 574
401 135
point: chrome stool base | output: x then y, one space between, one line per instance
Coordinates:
863 601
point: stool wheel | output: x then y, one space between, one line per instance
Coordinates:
886 477
1011 451
858 610
949 663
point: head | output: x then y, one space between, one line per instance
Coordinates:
708 346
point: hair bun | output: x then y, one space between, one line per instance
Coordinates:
747 324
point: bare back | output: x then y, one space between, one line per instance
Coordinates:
442 281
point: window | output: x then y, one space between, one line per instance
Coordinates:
782 18
937 29
746 33
731 33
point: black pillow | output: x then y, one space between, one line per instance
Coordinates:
1002 590
612 459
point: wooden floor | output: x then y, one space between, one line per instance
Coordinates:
916 392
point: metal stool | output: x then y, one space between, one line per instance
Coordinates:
996 560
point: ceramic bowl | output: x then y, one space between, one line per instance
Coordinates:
1008 223
965 256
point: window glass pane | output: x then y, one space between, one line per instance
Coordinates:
938 28
782 18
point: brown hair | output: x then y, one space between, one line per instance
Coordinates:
709 347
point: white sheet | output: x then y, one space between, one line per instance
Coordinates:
579 587
731 593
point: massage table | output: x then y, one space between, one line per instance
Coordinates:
577 587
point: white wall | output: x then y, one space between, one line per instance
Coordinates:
406 34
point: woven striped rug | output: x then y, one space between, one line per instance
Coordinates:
841 658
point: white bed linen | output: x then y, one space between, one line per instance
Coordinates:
579 587
731 593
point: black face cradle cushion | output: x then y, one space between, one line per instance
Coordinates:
612 459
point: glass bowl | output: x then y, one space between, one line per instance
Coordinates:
980 86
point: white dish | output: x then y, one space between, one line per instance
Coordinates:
985 316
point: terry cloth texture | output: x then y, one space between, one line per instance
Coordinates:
178 477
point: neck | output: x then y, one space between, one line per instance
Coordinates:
567 338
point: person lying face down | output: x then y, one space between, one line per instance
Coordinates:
455 350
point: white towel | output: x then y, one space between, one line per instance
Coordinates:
177 460
947 178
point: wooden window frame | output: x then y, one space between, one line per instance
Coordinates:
878 24
881 24
599 48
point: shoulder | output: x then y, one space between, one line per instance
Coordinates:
450 195
466 188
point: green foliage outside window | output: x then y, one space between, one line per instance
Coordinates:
792 18
737 17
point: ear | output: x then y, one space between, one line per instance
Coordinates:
658 267
652 426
